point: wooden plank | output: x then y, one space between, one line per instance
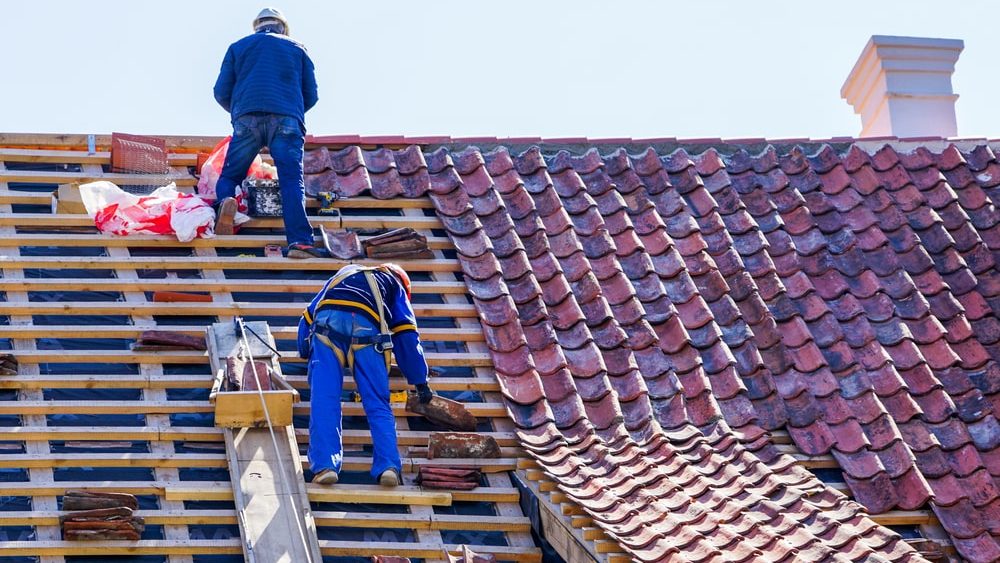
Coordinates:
80 141
344 222
432 551
184 381
167 460
216 263
199 309
567 540
172 407
198 284
197 357
81 157
199 434
37 177
276 521
132 331
22 197
150 241
232 547
109 548
339 519
353 494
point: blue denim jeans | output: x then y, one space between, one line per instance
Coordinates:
285 137
326 380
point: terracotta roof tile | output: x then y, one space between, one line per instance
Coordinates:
849 297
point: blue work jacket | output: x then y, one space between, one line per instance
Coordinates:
267 72
354 294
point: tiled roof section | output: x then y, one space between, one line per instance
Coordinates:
670 307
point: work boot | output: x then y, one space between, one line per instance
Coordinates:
389 478
225 215
326 477
302 250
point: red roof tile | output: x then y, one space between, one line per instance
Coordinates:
676 305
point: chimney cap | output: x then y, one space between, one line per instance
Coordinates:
906 53
901 86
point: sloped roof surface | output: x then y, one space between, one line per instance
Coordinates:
651 314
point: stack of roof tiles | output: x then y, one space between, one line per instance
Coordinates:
652 315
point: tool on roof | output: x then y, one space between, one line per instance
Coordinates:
326 203
398 243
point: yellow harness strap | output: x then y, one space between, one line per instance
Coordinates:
348 361
383 327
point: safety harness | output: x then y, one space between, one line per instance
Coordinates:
382 342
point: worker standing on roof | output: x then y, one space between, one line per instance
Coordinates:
267 83
353 325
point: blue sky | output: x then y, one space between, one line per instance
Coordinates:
548 68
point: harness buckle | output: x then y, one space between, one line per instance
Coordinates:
383 343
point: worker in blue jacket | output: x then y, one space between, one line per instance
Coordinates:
267 83
352 326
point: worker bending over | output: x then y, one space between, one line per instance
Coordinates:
352 327
267 83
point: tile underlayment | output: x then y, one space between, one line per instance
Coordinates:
672 308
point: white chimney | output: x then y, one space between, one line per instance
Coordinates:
901 86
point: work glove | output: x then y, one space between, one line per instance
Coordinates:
424 393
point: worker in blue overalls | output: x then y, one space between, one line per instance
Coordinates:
352 327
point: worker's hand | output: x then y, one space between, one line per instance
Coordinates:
424 393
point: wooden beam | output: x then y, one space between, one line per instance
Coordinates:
339 519
196 357
172 407
24 198
567 540
215 263
150 241
138 381
80 141
81 157
109 548
132 331
343 222
37 177
200 434
200 284
453 310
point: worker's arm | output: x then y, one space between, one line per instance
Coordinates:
304 345
406 340
226 82
306 321
310 94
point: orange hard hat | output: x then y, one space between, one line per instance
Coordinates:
400 274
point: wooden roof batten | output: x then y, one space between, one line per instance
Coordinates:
164 388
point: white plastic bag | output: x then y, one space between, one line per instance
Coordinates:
163 212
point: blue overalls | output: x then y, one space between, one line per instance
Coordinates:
340 330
